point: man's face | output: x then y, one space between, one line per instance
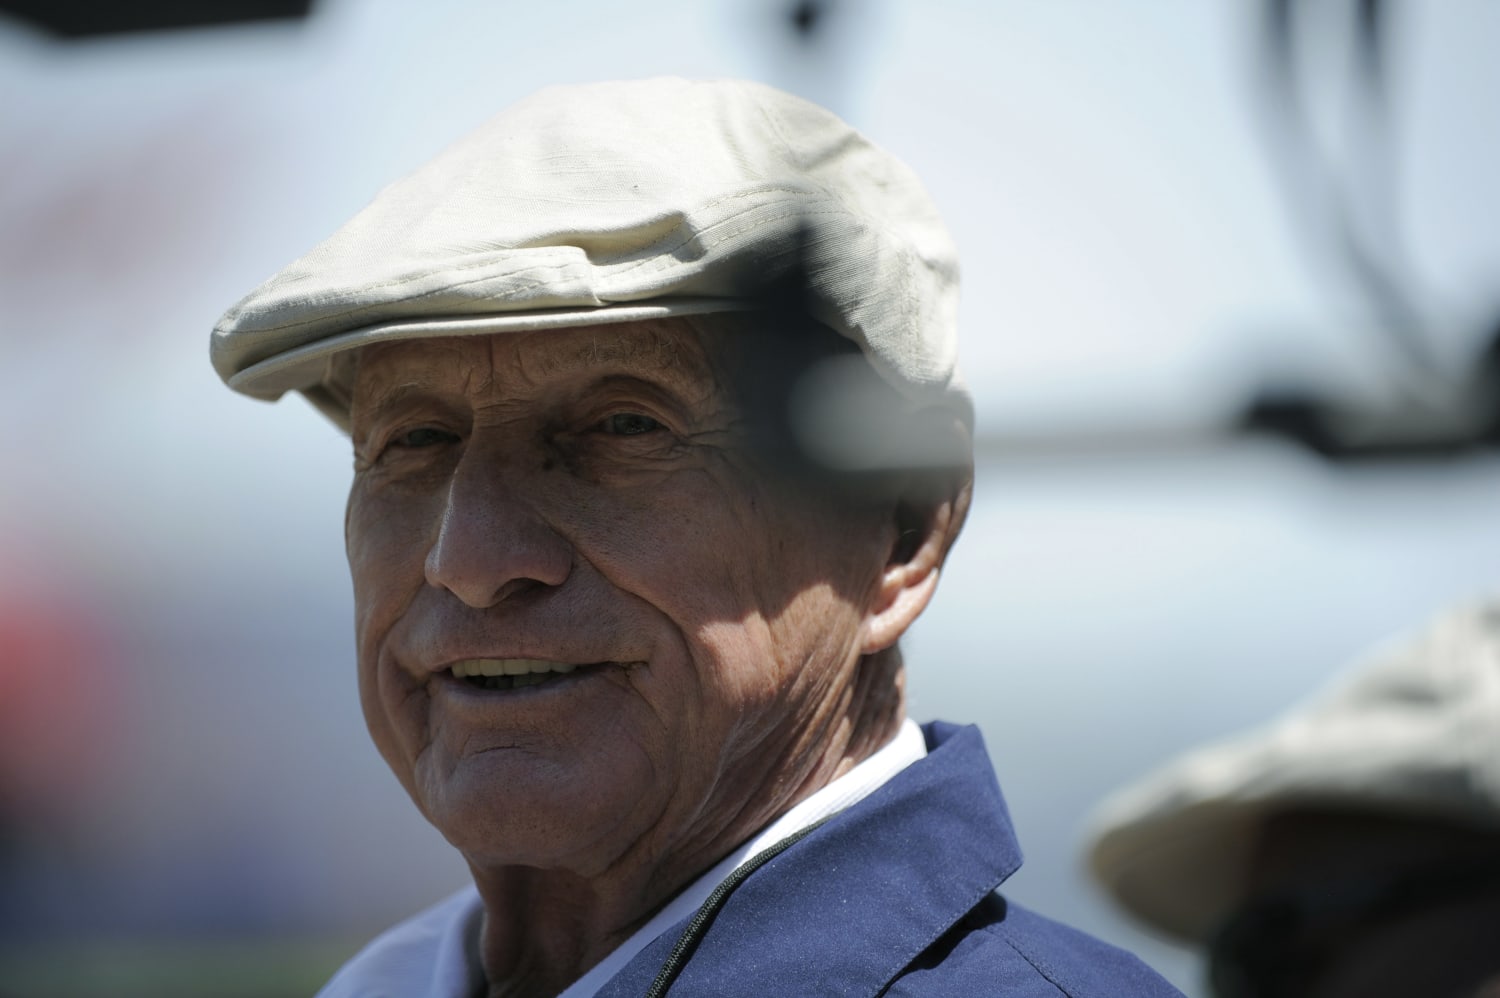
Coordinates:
583 506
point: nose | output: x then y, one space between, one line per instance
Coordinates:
492 543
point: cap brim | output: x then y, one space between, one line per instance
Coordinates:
1180 873
306 368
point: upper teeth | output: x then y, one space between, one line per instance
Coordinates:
507 667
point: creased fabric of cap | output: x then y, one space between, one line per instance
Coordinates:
615 201
1414 730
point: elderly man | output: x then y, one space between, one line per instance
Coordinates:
659 449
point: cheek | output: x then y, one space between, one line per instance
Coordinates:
727 558
386 548
386 542
683 544
784 648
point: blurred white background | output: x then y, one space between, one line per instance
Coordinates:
181 751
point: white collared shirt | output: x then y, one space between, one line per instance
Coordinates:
435 954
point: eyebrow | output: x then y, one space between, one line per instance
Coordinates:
367 408
646 351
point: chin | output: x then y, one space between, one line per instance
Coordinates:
540 820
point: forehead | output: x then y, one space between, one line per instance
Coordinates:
673 352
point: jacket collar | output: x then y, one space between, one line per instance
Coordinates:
863 895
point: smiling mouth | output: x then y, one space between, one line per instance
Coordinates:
510 673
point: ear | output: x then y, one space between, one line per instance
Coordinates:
927 520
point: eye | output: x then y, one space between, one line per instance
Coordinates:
628 424
423 436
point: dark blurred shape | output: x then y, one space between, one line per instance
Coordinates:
1361 234
1294 413
1414 916
1487 386
1349 213
82 19
806 16
1463 420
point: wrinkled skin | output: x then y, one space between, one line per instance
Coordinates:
589 496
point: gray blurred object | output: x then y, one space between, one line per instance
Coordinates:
1349 219
74 19
1375 803
1438 390
817 49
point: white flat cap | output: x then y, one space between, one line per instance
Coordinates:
1414 730
610 202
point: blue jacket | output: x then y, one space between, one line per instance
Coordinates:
897 897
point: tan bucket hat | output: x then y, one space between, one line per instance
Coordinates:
1414 730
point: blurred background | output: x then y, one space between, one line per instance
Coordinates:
1232 278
